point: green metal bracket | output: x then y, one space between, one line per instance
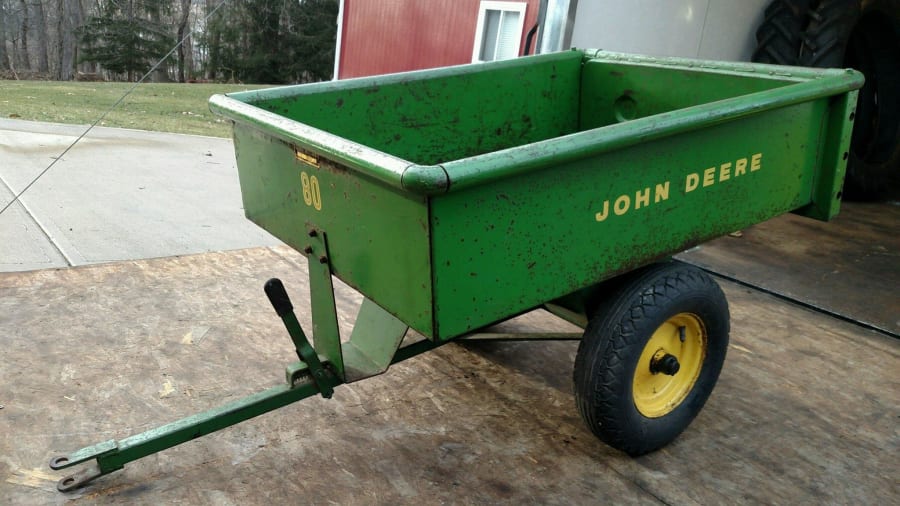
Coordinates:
562 308
326 333
833 152
375 338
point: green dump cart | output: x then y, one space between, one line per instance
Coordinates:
459 197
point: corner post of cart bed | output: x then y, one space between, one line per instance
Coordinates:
425 179
833 153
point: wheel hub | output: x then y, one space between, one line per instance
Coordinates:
669 365
664 363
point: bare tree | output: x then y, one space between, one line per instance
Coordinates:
24 60
82 9
4 57
214 40
69 15
184 48
39 21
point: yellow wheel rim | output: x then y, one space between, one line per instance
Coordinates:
657 391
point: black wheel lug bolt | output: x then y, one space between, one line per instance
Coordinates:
667 364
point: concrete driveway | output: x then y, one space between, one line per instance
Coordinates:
117 195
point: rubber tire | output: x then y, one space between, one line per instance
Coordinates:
779 36
864 35
614 338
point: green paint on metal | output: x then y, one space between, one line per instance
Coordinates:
522 336
417 348
320 375
374 341
384 255
425 179
613 91
375 338
113 455
529 180
438 115
837 126
326 333
458 197
516 243
495 166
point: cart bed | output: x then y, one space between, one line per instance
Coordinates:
461 196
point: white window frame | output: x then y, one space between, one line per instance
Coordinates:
493 5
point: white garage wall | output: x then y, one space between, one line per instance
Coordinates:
711 29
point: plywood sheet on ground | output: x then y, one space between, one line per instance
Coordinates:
849 266
805 410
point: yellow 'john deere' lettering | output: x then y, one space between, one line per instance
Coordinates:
721 173
622 204
705 178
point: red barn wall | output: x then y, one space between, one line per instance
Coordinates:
384 36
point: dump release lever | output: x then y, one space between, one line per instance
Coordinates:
278 297
282 303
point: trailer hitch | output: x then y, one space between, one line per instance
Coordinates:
304 379
373 346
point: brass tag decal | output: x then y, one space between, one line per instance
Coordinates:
306 156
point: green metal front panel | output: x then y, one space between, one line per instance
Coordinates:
377 236
507 246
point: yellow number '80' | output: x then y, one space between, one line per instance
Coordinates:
312 196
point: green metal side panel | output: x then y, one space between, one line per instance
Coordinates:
612 92
437 115
510 245
377 236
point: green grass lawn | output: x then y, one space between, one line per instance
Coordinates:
178 108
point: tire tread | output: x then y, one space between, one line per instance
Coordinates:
779 35
603 358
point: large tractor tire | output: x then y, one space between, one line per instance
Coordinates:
779 36
864 35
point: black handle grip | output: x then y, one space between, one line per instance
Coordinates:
278 297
